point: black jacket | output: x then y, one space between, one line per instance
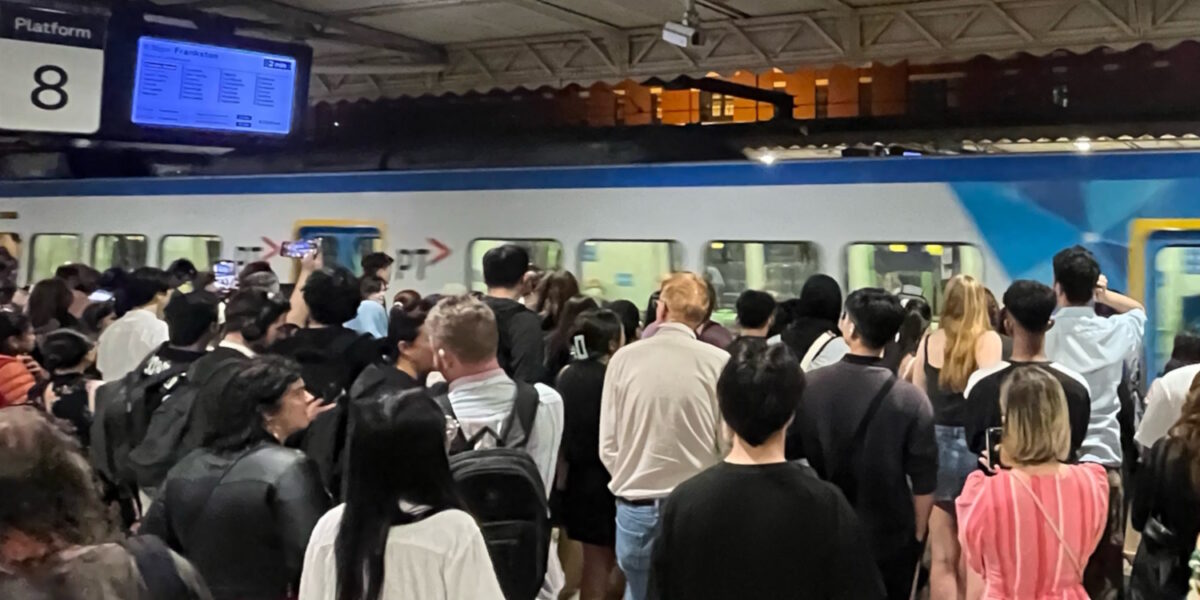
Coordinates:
242 519
521 345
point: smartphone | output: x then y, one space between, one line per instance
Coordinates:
298 248
992 439
100 296
225 274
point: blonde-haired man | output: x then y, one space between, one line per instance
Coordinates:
660 423
465 340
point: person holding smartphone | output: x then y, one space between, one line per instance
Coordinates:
1029 529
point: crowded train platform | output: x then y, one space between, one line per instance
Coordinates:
167 435
615 299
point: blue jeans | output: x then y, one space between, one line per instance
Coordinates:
637 526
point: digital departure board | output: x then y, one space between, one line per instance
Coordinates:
199 86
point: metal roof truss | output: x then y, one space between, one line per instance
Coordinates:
923 31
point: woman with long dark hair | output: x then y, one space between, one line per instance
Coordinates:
1166 507
558 342
402 532
553 293
49 306
589 508
242 506
898 355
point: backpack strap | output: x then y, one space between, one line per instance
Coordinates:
525 406
815 349
459 443
847 452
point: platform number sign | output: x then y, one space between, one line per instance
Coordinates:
51 70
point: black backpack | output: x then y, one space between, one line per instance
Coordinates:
173 431
123 412
328 374
503 489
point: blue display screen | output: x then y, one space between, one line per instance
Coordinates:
197 86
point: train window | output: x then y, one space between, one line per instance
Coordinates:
51 251
626 269
911 268
124 250
1177 292
780 268
10 257
202 250
544 254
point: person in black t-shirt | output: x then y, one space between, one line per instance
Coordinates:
522 349
589 509
1028 306
755 525
878 446
412 357
331 357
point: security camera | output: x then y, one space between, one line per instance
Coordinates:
679 34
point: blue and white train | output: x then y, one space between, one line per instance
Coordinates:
885 222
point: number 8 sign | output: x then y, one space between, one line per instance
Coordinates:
51 69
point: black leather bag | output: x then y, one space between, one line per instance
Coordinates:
1159 566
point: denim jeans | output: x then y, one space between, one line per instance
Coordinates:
637 527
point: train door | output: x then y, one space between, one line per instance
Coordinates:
1164 268
344 243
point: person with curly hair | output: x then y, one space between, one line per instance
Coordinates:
56 542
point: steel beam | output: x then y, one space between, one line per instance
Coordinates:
832 33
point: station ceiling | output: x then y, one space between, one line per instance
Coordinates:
387 48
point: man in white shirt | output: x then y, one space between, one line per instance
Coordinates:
465 342
660 423
138 332
1097 348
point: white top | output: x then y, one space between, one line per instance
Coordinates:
1097 347
442 557
247 352
484 400
831 353
659 419
1164 404
127 342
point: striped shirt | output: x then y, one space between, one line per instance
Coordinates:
1006 537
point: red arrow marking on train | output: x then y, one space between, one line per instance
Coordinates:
442 251
272 246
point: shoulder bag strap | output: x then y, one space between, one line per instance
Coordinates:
1053 526
814 349
525 405
846 456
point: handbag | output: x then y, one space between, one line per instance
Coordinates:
1158 562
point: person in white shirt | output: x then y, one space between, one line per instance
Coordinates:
402 533
465 342
659 420
139 331
1097 348
1164 403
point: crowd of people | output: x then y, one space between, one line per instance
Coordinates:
163 437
